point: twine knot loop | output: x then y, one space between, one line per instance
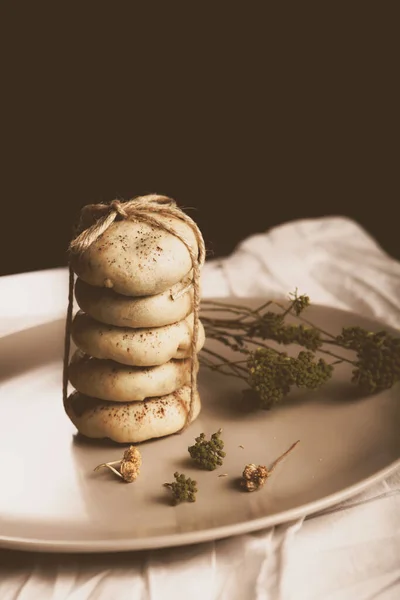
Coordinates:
118 207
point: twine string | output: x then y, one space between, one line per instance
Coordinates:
96 219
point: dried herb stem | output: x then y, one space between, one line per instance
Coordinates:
271 373
282 457
109 466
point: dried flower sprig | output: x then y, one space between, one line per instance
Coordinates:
184 489
208 454
129 465
271 374
254 477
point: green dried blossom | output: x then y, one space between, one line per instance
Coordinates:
184 489
309 337
299 303
310 372
208 454
272 374
378 364
271 326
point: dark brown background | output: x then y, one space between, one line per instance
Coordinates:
252 119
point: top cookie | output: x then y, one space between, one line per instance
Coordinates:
137 259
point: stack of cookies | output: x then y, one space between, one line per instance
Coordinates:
131 370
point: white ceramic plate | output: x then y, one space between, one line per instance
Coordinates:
51 500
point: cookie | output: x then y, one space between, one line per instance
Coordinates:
137 259
108 380
107 306
138 347
134 421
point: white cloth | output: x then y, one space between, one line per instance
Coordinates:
351 552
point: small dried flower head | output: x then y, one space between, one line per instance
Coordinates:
272 374
129 471
208 454
251 471
378 358
254 477
299 303
130 464
184 489
132 454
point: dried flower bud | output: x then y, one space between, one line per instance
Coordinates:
130 464
132 454
129 471
208 454
184 489
299 303
254 477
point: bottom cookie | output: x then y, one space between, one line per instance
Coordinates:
131 422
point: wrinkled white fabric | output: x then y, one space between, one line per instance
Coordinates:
350 552
332 259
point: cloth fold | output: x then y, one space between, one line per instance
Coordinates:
351 552
331 259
